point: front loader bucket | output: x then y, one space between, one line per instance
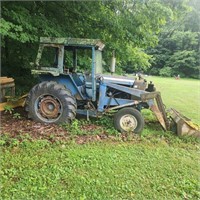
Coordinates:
184 126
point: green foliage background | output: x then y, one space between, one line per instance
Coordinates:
177 51
147 35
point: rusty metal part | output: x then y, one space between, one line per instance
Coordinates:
49 107
159 116
140 84
13 103
161 108
158 108
7 87
128 122
184 126
5 80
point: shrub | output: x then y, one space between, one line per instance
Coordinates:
166 71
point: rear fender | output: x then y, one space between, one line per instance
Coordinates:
77 89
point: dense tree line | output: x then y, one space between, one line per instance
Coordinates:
156 36
178 48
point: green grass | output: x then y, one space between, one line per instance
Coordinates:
110 170
155 165
183 95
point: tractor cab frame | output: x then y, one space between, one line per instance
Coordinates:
58 68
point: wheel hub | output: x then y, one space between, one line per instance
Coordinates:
49 107
128 122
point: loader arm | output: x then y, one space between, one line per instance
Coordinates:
158 109
150 97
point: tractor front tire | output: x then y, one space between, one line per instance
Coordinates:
50 102
129 120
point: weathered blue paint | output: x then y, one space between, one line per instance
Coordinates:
93 75
92 113
150 102
86 88
102 95
69 81
128 90
116 101
104 100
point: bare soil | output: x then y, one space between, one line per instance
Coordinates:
22 127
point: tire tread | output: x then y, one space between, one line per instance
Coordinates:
55 89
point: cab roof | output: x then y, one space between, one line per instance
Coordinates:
82 42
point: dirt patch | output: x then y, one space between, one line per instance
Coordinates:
21 127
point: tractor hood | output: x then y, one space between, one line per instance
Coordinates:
122 80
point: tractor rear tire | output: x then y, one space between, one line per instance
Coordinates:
129 120
50 102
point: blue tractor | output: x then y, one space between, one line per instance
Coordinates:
63 92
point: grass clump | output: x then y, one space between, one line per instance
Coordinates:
41 170
94 126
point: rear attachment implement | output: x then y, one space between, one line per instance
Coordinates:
7 94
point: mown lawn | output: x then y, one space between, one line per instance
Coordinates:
109 170
182 94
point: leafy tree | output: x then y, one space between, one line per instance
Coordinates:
179 43
165 71
128 27
183 63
